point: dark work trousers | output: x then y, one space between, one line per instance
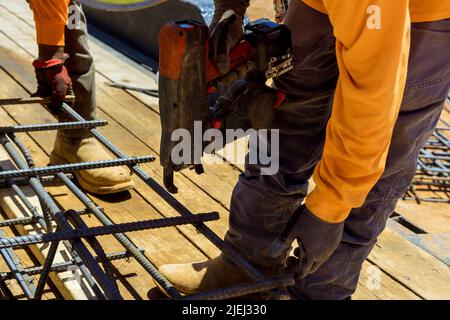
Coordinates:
262 204
80 66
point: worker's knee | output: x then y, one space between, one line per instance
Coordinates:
266 198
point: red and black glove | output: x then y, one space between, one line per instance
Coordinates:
53 81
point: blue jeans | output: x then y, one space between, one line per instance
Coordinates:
262 205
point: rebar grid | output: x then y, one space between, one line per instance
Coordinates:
68 228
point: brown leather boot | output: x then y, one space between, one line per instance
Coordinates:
190 278
98 181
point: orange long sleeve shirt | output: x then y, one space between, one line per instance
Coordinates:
373 66
372 58
51 17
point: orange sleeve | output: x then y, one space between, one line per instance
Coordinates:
51 17
372 49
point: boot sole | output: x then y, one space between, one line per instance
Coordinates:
183 293
90 187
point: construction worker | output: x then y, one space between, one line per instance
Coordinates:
64 62
368 87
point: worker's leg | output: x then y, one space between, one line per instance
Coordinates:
262 204
427 88
77 145
82 71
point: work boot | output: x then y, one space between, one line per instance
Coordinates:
190 278
98 181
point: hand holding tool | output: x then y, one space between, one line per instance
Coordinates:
53 81
317 241
190 83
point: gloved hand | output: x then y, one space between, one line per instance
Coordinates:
248 103
317 241
226 30
53 81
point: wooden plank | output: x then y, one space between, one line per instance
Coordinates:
374 284
432 217
438 245
68 282
416 269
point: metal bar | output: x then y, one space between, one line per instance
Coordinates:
244 289
123 239
32 220
35 214
72 234
54 126
24 181
46 270
102 279
46 222
17 221
64 266
23 149
84 271
150 92
49 203
237 258
95 244
33 172
16 267
32 100
5 293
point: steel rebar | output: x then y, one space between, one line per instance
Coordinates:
38 171
240 290
54 126
16 267
55 212
64 266
74 234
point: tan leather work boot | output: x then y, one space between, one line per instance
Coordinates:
189 278
98 181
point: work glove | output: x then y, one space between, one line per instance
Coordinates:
53 81
317 241
226 30
248 103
